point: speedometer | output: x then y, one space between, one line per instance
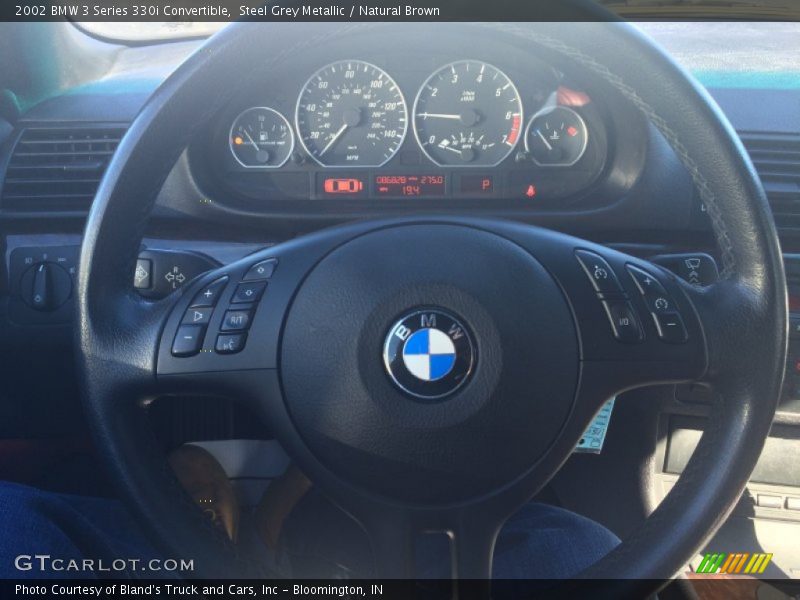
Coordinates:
468 113
351 113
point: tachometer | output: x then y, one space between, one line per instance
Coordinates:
468 113
351 113
261 137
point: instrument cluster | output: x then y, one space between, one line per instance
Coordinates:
466 128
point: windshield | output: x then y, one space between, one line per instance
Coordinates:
734 55
157 31
730 54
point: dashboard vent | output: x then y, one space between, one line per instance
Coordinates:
57 168
777 160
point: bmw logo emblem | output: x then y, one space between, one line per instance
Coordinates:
429 354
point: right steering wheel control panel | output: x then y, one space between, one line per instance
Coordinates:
623 317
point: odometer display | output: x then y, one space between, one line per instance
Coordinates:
410 185
351 113
468 113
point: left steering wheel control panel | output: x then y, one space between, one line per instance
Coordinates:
231 317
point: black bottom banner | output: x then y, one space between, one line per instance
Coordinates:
703 588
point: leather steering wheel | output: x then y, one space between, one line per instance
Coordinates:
542 357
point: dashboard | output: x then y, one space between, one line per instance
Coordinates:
360 124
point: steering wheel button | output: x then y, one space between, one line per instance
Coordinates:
249 292
670 327
651 289
236 320
599 272
188 340
261 270
197 316
624 322
209 295
230 343
647 284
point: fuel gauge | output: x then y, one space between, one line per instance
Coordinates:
556 137
262 138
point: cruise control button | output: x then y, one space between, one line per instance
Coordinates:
647 284
230 343
659 304
261 270
249 292
624 322
654 294
236 320
670 327
188 340
209 295
197 316
599 272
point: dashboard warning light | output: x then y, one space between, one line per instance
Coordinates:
531 191
238 141
343 186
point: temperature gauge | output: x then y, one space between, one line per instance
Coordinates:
556 137
261 138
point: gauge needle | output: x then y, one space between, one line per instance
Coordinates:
252 141
335 137
544 139
439 116
456 150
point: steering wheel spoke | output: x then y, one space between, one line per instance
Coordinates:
636 322
473 547
391 531
637 325
395 532
226 321
221 335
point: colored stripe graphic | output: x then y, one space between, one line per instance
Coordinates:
740 563
734 563
729 562
703 566
758 564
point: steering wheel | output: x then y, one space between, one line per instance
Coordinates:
528 331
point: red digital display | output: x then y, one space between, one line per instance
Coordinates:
343 185
794 301
410 185
477 184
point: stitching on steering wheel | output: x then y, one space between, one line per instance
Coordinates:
703 188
